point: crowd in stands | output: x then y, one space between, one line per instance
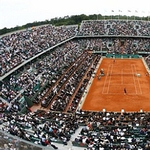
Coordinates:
89 71
109 130
61 94
59 79
100 130
50 68
40 127
147 60
40 72
17 47
117 45
73 79
114 27
61 89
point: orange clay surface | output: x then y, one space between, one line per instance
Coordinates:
108 92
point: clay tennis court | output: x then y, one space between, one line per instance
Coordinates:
120 76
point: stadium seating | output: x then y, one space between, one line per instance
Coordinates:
57 79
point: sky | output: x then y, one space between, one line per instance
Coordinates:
19 12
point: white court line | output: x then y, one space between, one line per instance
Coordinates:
121 76
106 79
135 80
123 84
132 68
120 93
109 80
138 81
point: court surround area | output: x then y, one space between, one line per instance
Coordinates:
125 86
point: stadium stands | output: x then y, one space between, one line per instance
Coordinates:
114 27
57 79
20 46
